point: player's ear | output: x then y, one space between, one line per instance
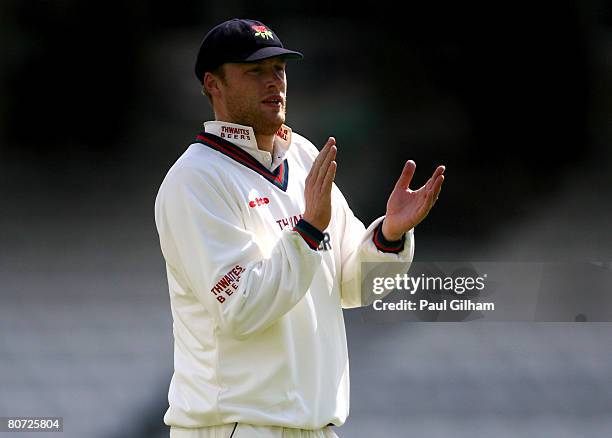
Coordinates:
211 84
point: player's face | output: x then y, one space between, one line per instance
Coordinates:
255 94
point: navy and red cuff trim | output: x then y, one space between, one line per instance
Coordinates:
385 245
310 234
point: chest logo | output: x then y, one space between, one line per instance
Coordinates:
258 202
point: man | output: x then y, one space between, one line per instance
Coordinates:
262 253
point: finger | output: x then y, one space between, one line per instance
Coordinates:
329 179
407 173
432 195
426 204
331 156
315 169
430 182
331 141
437 187
325 168
316 165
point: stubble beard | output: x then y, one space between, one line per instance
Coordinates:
244 114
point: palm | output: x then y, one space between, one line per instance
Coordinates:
407 208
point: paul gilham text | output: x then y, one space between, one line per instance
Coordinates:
427 305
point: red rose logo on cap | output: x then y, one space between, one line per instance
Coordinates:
263 32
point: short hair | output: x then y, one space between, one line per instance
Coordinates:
220 72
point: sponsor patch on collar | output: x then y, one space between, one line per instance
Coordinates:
283 135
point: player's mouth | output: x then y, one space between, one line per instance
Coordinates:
276 101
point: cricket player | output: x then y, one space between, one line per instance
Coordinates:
263 252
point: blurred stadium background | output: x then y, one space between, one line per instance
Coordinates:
98 99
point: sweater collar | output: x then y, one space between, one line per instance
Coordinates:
244 136
247 153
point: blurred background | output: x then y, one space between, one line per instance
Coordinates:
98 99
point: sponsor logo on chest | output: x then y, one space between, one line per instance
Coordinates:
258 202
288 221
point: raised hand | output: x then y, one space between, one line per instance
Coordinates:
317 192
407 208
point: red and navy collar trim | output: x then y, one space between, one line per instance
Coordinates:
280 176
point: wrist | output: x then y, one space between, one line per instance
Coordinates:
309 233
314 223
385 244
389 235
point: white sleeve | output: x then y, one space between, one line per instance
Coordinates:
365 254
203 238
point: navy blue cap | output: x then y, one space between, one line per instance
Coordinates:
239 40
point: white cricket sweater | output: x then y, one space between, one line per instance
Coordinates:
259 334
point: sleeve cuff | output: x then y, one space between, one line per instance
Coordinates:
311 235
385 245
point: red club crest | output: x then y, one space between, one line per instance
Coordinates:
262 32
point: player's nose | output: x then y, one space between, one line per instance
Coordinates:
275 79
